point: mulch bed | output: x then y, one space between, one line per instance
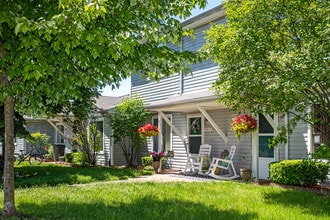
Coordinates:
320 189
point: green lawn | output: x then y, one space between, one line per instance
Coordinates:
177 200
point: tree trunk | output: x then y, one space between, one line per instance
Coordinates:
9 208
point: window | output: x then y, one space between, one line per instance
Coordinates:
195 133
59 134
266 132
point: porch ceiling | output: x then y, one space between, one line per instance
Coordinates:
186 102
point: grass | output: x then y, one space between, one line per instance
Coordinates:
176 200
56 174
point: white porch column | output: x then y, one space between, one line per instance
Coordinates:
160 135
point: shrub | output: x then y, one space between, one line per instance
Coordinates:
146 161
68 157
322 152
80 158
298 172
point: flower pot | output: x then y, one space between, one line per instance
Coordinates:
156 165
246 174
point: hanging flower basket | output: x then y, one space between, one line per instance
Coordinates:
148 130
243 124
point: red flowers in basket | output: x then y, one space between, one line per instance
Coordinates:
148 130
243 124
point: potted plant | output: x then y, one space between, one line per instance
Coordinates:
243 124
156 159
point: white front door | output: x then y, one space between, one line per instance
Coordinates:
265 155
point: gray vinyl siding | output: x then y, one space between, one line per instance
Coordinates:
195 43
298 142
119 159
201 77
281 147
180 155
200 80
154 91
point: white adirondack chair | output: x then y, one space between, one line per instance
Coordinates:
195 164
219 164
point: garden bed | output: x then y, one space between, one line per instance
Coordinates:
321 189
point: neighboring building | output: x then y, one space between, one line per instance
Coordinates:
61 133
188 115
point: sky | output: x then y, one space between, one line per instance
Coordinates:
125 86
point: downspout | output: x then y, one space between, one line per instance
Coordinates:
181 74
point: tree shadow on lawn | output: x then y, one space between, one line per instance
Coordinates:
56 175
144 208
310 202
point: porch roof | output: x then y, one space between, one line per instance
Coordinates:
186 102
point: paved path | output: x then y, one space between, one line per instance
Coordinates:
166 178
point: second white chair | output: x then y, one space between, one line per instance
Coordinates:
196 163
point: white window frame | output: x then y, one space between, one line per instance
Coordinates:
202 128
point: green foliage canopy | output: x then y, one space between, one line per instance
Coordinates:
273 56
73 45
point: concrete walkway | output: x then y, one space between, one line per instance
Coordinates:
166 177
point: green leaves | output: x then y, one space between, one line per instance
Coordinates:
23 25
64 47
268 54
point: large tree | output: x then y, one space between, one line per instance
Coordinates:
274 56
52 52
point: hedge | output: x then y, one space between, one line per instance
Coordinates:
298 172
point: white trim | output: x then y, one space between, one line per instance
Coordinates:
214 125
255 156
